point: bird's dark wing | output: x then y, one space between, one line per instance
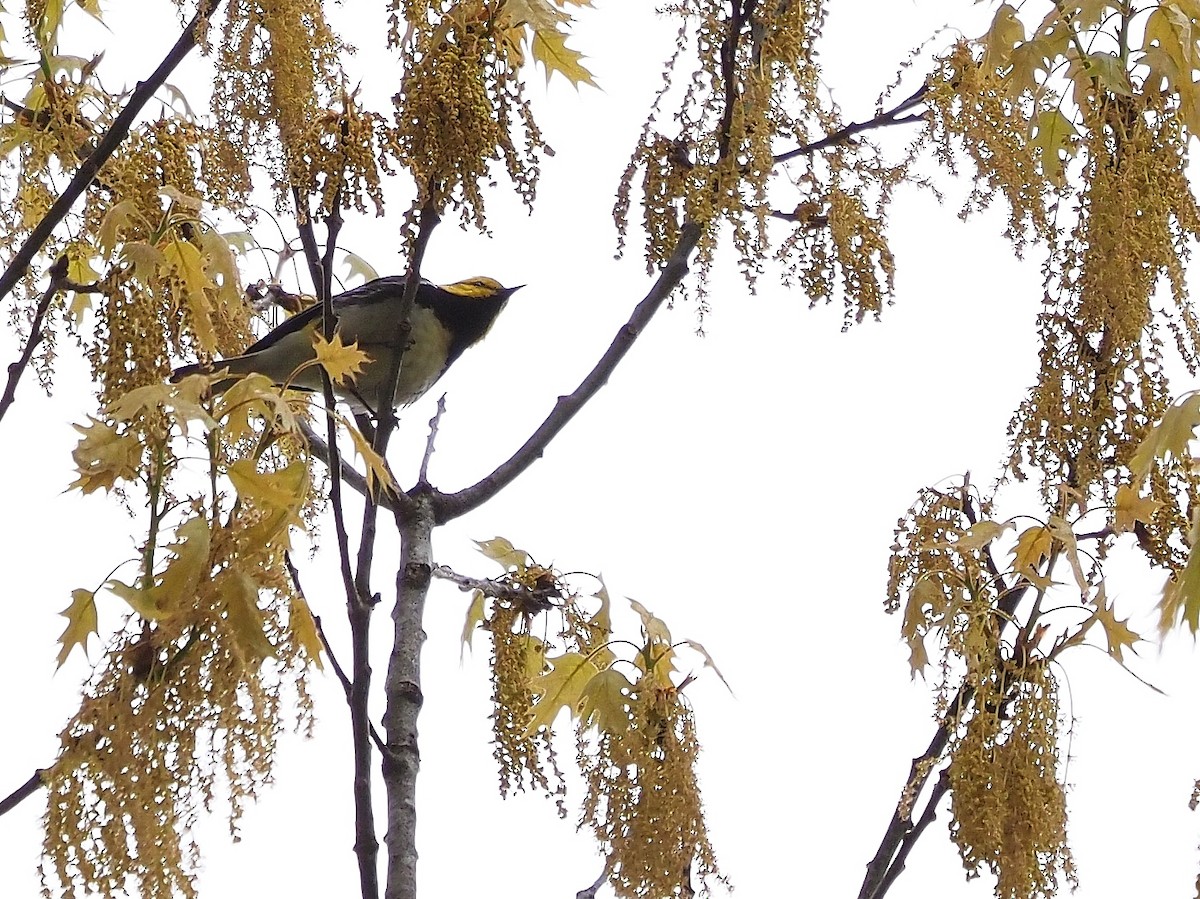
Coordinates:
370 292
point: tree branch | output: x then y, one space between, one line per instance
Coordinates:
402 761
108 144
882 120
21 793
901 834
58 273
358 602
448 506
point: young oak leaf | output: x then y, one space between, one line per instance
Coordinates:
104 456
653 627
560 687
978 535
176 587
604 702
1130 508
1117 632
342 362
1170 436
708 661
284 490
1181 593
377 471
1033 548
82 622
500 550
304 629
240 593
550 48
189 286
1062 532
475 617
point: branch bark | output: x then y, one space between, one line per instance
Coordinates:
402 687
448 506
58 272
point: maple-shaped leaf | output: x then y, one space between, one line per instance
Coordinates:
1006 31
304 630
1170 436
603 617
1032 549
240 595
149 398
220 266
475 617
549 47
654 628
359 267
1109 69
121 216
1181 593
82 622
927 601
1054 136
1170 52
979 535
176 587
104 456
1130 508
341 361
604 702
1062 532
1117 632
254 394
378 473
145 258
284 490
708 661
560 687
500 550
189 286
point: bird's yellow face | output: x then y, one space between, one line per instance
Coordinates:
475 288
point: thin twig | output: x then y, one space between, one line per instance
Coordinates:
910 839
885 119
901 833
448 506
590 892
521 596
338 670
358 602
58 274
108 144
423 476
21 793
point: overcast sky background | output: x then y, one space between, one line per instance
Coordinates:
744 486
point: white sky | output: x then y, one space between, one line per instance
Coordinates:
744 486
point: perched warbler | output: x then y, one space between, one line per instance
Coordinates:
445 320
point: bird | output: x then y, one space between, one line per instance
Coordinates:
445 320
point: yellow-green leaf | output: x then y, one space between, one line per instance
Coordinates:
560 687
1170 436
342 362
1130 508
551 50
604 702
475 617
82 622
240 594
304 630
500 550
1054 137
